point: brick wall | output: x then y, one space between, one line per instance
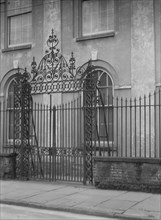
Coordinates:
7 166
128 174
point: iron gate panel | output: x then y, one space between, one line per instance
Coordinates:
57 154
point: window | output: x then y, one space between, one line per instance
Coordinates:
11 110
19 22
104 107
96 17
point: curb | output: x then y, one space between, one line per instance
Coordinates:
75 210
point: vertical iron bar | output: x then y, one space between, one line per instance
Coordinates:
112 128
4 124
126 127
74 156
54 146
43 156
84 149
117 148
58 142
144 126
69 144
77 140
159 123
50 144
40 129
14 150
44 123
107 124
130 127
70 141
135 129
36 149
61 148
155 125
140 125
8 124
66 141
38 136
81 126
121 127
63 135
6 127
149 125
72 124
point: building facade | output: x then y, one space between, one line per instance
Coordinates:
122 39
125 35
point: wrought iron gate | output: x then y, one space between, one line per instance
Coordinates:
55 142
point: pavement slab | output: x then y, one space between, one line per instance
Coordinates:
152 204
81 199
117 204
134 196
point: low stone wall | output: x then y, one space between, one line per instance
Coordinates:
7 166
134 174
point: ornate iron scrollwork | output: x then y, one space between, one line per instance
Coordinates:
53 70
90 101
22 97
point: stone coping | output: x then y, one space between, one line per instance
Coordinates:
128 159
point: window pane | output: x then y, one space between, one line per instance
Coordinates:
18 7
97 16
20 29
104 108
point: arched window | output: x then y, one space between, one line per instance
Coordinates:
104 107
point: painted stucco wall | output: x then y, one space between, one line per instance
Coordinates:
52 20
114 50
45 16
134 51
142 47
131 51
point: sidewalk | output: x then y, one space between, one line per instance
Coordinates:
81 199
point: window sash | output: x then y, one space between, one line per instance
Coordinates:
19 29
15 7
97 16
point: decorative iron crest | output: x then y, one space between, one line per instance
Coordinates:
53 66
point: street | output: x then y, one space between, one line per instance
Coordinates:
11 212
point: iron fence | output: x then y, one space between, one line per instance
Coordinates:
134 127
122 128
